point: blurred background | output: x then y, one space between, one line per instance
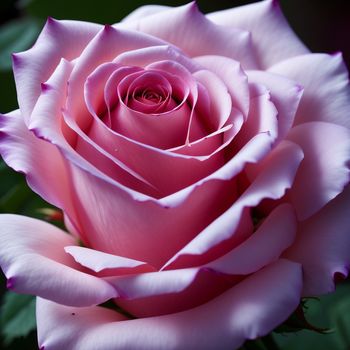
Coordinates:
324 26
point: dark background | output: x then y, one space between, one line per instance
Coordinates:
324 26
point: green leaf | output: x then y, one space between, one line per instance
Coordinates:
340 317
326 312
8 99
17 35
17 316
15 197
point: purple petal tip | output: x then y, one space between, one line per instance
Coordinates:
51 20
15 58
193 6
10 283
337 54
299 88
108 27
45 87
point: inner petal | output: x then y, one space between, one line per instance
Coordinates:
152 106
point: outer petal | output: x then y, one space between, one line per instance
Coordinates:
249 310
196 35
145 231
59 39
33 259
100 261
323 246
272 37
326 87
326 168
285 95
232 75
277 174
169 291
21 150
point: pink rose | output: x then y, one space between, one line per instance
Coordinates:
202 161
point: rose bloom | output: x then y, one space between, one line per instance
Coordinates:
201 163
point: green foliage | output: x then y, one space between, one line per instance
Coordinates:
16 36
330 311
17 316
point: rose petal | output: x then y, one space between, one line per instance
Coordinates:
137 157
100 261
104 47
213 143
33 259
21 150
325 80
272 37
147 55
322 246
220 100
47 124
142 230
285 95
196 35
325 171
243 312
279 171
265 245
59 39
169 291
262 116
232 75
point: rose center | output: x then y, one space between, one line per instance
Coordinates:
150 96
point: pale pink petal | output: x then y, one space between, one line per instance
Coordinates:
59 39
162 131
33 259
111 97
243 312
100 261
211 144
94 90
272 37
47 111
265 245
91 188
322 246
46 122
325 79
169 291
285 94
104 47
253 151
277 176
232 75
110 166
138 156
21 150
325 171
148 231
196 35
219 97
144 11
148 55
262 117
